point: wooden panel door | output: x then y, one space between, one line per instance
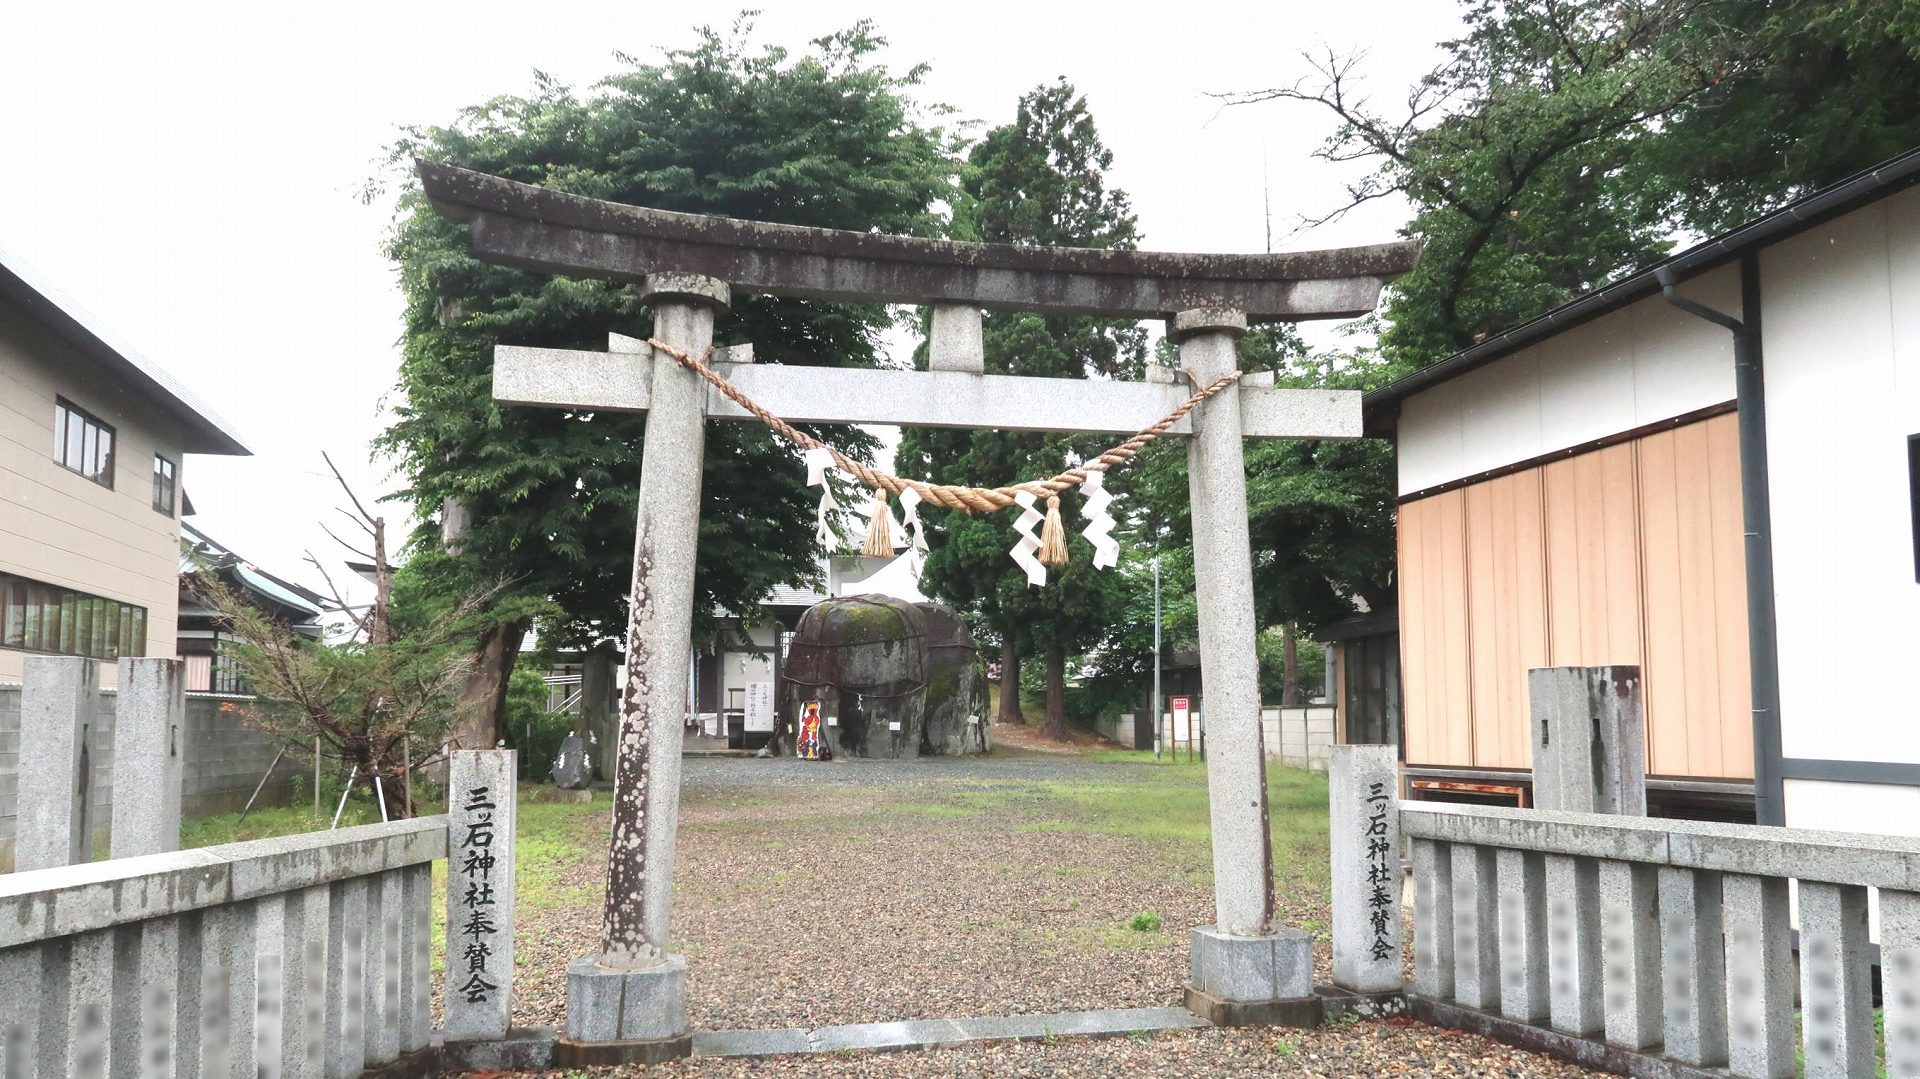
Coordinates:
1593 559
1434 645
1697 694
1507 612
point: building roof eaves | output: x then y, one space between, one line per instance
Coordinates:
207 432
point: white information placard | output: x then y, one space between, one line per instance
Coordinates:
760 706
1182 720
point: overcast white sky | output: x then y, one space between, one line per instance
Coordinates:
188 172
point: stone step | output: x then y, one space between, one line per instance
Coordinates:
933 1033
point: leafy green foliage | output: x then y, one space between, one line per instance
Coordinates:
1821 89
529 727
830 138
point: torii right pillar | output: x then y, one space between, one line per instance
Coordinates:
1244 969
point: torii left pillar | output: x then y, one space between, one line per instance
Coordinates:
629 1003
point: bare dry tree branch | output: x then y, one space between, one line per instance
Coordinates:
344 543
344 487
360 621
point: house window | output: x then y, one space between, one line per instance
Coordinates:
82 442
163 485
39 617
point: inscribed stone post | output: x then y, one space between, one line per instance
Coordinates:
1364 786
148 757
480 831
57 701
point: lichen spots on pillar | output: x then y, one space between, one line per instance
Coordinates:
621 916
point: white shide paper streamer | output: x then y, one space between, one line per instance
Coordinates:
819 463
1022 551
1099 531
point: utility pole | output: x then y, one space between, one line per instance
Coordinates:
1156 655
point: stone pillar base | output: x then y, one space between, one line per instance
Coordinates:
1252 981
568 1053
631 1008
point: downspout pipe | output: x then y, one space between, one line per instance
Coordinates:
1763 653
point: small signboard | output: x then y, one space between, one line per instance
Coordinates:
760 707
1182 719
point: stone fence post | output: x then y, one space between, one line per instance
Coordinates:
149 757
59 697
480 865
1589 739
1364 789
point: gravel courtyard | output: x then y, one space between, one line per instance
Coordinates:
814 894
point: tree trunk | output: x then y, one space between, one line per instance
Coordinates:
1010 684
1056 727
482 702
393 790
1289 667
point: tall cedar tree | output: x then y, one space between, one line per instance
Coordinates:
829 138
1038 180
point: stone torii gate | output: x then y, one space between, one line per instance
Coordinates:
629 1003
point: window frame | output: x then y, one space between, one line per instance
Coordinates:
170 476
92 428
49 619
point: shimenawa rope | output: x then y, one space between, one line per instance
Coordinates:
951 496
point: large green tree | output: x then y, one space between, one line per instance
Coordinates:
828 138
1564 143
1037 180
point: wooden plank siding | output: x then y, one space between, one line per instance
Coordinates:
1628 554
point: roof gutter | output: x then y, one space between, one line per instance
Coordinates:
1750 396
1795 217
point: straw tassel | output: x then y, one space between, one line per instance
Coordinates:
880 528
1053 536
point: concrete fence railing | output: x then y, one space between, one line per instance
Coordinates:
1672 939
303 955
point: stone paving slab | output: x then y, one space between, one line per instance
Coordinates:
929 1033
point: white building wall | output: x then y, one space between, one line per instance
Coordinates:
738 669
1842 342
1639 365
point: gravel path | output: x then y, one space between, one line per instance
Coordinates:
852 892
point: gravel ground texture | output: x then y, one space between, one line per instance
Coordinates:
815 894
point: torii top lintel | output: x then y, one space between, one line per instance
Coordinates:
536 228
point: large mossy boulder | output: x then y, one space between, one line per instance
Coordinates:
891 679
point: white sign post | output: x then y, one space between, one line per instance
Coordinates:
760 707
1183 724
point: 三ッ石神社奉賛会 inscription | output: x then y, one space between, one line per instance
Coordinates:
474 869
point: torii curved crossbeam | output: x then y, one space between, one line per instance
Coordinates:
539 229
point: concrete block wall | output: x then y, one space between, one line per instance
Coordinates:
224 760
1302 737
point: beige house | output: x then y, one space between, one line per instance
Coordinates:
93 443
